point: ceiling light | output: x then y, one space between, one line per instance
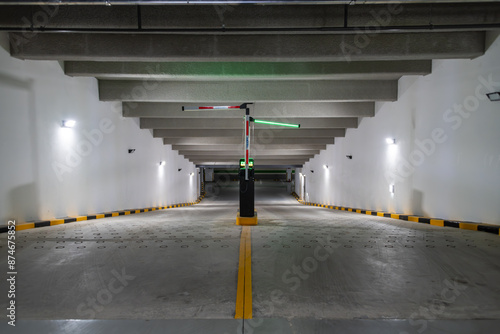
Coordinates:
325 166
191 173
131 150
349 156
494 96
162 163
390 141
68 123
391 189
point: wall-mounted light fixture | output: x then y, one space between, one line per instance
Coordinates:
312 171
390 141
68 123
191 174
349 157
495 96
179 169
391 189
131 150
162 163
325 166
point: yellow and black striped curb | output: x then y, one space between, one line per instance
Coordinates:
495 229
59 221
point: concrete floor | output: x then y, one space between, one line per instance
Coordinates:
314 270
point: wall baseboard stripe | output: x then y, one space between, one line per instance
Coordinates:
495 229
59 221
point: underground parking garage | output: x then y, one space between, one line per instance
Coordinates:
249 167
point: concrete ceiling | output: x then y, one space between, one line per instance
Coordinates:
321 65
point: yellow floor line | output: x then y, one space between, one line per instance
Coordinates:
248 277
240 292
244 289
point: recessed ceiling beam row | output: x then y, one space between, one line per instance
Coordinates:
252 47
261 109
249 91
256 142
233 147
263 134
260 153
217 17
362 70
234 123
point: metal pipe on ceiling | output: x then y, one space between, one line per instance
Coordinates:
322 30
231 2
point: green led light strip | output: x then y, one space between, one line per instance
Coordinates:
277 123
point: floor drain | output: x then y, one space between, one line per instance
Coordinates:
306 246
81 247
163 246
59 247
266 246
101 247
204 246
143 246
224 246
286 246
122 246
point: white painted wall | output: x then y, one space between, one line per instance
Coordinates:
43 176
455 175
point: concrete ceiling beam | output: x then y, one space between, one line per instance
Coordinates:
253 47
262 134
217 17
260 109
257 142
237 157
298 162
362 70
261 152
234 123
249 91
229 147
